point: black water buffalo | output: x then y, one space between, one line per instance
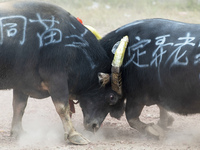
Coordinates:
45 51
161 66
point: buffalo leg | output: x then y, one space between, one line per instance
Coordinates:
133 111
165 119
58 90
19 105
70 133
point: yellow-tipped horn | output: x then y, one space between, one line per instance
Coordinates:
94 31
119 54
117 63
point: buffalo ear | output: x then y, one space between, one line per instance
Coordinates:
104 78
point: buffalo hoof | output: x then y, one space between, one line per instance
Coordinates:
77 139
166 123
155 131
17 134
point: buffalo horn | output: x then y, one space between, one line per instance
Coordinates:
116 64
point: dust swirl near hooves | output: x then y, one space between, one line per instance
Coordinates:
44 130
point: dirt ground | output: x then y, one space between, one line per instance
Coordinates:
44 127
45 132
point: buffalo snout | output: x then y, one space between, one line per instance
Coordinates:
92 126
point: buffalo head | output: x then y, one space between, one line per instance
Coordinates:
95 111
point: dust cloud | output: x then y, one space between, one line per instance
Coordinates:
187 135
44 129
40 134
42 124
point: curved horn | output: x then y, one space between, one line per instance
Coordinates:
116 64
94 31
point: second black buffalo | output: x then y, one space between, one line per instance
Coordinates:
161 66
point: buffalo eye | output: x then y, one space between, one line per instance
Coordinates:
112 99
